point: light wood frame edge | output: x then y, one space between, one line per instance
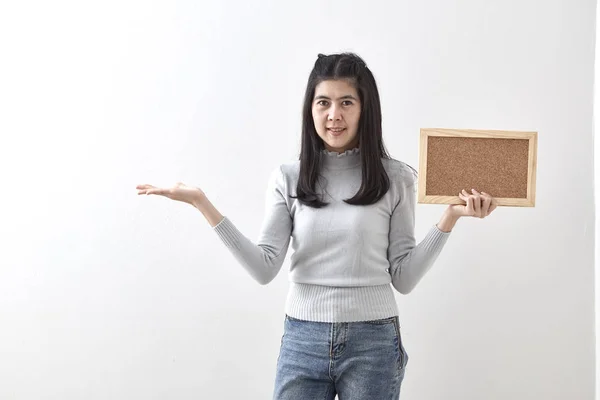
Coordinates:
425 133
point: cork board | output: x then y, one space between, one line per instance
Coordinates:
501 163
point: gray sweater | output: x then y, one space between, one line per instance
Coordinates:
345 256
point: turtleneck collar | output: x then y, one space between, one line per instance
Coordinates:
347 159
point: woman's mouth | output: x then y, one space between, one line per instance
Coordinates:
336 131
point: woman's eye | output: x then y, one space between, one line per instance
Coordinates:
325 103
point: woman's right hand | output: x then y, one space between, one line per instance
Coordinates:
179 192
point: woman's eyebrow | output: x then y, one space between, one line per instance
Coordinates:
348 96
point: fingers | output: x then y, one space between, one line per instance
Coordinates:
149 189
470 206
159 191
486 202
493 205
142 189
478 204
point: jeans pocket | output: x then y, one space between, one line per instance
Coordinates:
402 354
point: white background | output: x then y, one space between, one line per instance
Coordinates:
108 295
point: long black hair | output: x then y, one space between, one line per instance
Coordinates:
375 181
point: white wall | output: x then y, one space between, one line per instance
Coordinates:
107 295
596 125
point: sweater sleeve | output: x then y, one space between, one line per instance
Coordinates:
409 261
264 259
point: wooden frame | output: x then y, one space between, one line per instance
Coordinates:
447 198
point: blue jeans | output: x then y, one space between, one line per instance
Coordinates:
353 360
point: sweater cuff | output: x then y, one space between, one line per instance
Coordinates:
228 233
435 239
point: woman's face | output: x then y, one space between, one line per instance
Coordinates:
336 112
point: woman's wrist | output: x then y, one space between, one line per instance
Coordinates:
447 221
212 215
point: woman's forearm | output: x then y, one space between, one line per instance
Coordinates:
447 222
212 215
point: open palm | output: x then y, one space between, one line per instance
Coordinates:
180 192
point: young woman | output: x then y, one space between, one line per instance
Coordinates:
349 208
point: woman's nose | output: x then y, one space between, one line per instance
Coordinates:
334 114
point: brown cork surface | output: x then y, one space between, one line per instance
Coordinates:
495 166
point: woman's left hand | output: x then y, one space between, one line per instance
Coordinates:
478 205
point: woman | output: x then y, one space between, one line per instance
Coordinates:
350 209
